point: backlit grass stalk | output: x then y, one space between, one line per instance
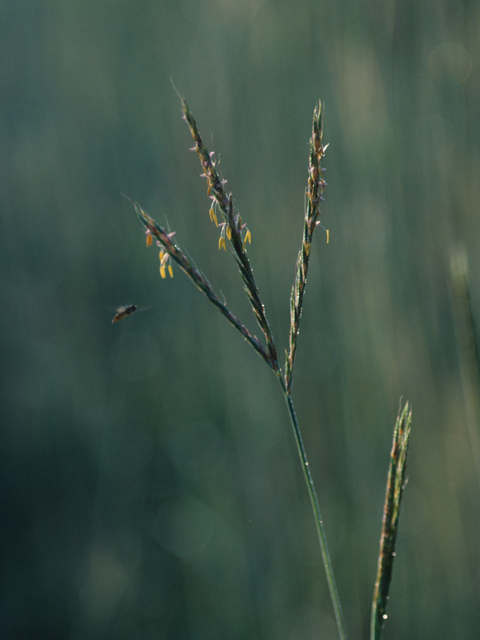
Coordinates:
395 486
232 227
235 231
327 563
315 188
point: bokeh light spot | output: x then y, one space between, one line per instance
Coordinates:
450 62
197 449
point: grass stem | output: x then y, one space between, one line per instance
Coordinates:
327 563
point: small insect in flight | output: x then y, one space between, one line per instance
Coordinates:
123 312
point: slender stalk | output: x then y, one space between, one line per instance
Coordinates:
315 187
391 514
327 563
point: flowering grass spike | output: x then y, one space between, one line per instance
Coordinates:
315 187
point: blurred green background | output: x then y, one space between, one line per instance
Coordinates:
149 478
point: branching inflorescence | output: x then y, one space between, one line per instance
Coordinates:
234 231
169 249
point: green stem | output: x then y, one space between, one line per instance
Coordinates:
318 518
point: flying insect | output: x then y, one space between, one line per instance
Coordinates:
123 312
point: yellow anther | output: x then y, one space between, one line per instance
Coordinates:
248 237
149 240
308 246
229 233
170 270
213 216
328 232
221 243
162 271
161 255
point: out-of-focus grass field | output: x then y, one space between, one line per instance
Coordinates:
149 479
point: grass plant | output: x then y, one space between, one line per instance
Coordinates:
234 231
